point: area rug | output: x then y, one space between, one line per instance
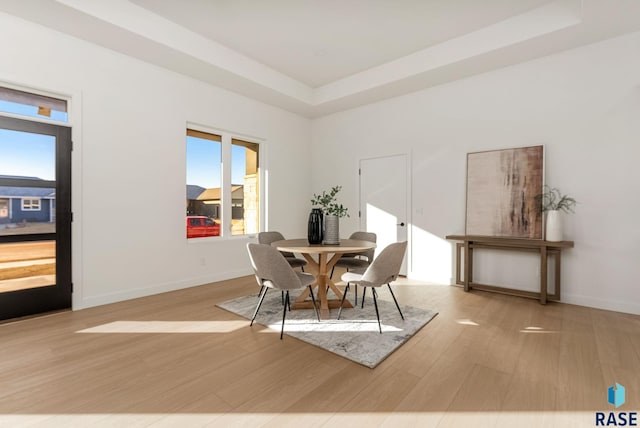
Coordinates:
355 336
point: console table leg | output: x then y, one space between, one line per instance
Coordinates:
467 266
543 275
558 275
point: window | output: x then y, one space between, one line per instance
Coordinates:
228 197
32 105
245 202
30 204
4 208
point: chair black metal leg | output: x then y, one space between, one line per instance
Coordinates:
332 269
313 299
284 313
262 294
355 290
375 302
282 296
364 292
394 299
344 296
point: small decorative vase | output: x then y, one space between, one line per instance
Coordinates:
554 226
314 227
331 230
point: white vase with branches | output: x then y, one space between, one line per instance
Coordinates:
554 203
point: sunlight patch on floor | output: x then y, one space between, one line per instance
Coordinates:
167 327
537 330
333 326
375 419
466 322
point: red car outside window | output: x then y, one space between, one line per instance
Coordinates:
201 226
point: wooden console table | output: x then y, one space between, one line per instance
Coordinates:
544 248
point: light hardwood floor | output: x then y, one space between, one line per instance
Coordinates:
485 360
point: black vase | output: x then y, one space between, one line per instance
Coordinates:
314 228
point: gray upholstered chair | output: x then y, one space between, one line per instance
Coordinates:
269 237
384 269
273 271
357 262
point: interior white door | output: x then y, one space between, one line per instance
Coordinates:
383 200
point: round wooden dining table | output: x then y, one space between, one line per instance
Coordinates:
327 256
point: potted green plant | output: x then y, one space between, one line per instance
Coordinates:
332 211
552 202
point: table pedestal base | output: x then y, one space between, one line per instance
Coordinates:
321 267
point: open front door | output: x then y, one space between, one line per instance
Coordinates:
35 217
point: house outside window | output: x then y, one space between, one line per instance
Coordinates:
26 204
30 204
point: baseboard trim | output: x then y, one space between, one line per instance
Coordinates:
105 299
609 305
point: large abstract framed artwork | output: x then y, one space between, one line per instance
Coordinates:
501 190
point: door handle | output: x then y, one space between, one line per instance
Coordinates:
400 224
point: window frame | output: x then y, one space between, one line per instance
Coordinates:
226 202
44 102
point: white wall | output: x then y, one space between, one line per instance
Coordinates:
129 121
129 118
583 105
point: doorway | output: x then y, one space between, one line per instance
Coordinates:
35 217
383 200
